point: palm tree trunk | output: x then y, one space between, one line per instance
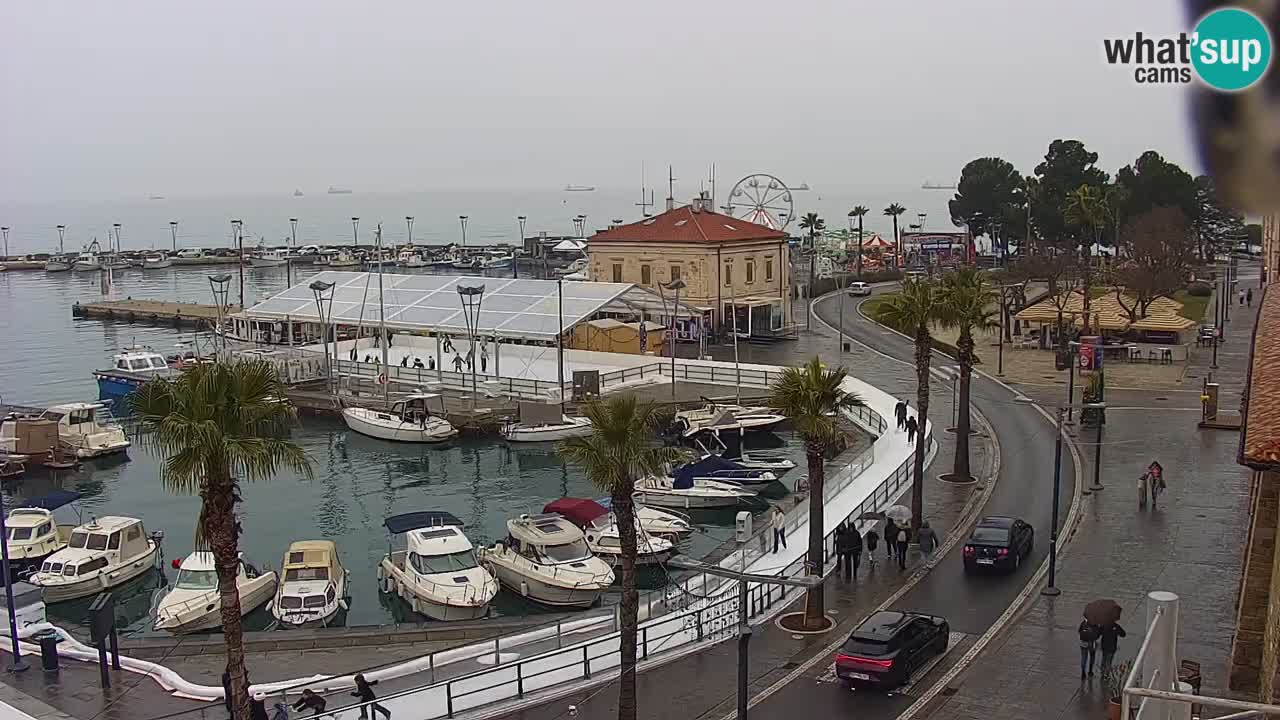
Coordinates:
960 466
924 346
897 245
218 521
859 247
1087 281
814 612
624 512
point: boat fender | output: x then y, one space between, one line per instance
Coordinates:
342 603
524 588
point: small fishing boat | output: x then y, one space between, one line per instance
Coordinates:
86 261
713 467
493 260
313 587
665 523
600 527
376 260
341 259
689 493
410 259
194 603
409 420
130 370
116 262
546 559
157 261
466 262
437 572
58 263
577 266
34 534
87 429
107 552
268 257
540 422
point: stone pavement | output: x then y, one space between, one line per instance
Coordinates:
1191 545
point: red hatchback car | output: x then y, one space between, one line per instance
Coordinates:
888 646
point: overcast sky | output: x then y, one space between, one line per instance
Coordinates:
126 98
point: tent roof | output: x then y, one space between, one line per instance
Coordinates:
579 511
526 309
1164 322
570 245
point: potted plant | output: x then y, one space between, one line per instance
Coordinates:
1113 683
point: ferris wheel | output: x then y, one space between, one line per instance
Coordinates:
762 199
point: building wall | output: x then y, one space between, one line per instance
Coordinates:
1271 247
1253 649
713 273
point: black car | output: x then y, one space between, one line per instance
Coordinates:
998 543
888 646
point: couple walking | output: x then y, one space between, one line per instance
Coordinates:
905 422
1092 636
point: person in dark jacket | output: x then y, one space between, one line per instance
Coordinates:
890 537
1088 633
901 547
364 691
310 700
1109 638
872 538
849 549
927 539
913 427
258 707
900 412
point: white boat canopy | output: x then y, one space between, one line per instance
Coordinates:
509 309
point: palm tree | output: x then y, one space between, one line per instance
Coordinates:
914 311
814 225
893 211
859 212
620 450
811 397
1087 209
967 306
219 425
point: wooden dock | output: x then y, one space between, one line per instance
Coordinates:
153 312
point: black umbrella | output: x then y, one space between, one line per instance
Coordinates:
1102 612
871 516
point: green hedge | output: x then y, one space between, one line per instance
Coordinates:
874 309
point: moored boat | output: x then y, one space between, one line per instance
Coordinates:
58 263
437 573
194 603
268 257
130 370
313 585
540 422
720 418
410 259
664 523
157 261
713 467
34 533
87 429
600 528
546 559
689 493
409 420
105 553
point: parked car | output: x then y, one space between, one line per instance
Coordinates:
998 543
888 646
857 289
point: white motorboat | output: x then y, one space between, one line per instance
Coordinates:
194 603
158 261
268 257
600 527
577 266
729 447
466 262
720 418
409 420
657 522
494 260
58 263
545 423
86 261
410 259
129 371
342 258
546 559
107 552
380 260
88 429
116 262
690 493
714 467
437 572
313 587
34 533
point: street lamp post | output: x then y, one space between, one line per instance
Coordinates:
1052 589
237 233
1101 407
117 229
173 233
318 289
463 220
677 285
220 285
5 230
471 297
19 665
62 229
515 260
355 232
288 258
843 292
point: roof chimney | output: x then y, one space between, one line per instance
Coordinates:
696 205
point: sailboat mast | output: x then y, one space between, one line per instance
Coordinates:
737 369
560 341
382 315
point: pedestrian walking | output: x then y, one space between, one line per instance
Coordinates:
310 700
404 361
890 537
1088 633
353 353
913 427
778 521
1109 638
927 539
1241 298
457 362
417 364
1155 482
872 539
903 541
484 359
900 412
471 359
1143 479
364 691
1248 297
848 542
431 363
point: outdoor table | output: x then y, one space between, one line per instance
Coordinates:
1166 356
1135 353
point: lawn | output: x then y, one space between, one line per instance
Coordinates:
1193 306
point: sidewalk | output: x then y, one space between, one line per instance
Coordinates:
703 685
1191 546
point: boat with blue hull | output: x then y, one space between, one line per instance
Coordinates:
129 371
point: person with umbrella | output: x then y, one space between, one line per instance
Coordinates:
1105 616
1109 638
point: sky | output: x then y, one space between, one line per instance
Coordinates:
129 97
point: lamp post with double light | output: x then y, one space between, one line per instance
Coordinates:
237 235
221 286
5 230
318 289
173 233
515 261
462 219
471 297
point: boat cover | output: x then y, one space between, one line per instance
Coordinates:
53 500
579 511
415 520
685 474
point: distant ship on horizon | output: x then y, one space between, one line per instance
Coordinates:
335 190
579 188
298 193
155 197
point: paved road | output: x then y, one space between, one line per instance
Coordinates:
972 604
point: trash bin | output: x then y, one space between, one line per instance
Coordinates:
48 640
